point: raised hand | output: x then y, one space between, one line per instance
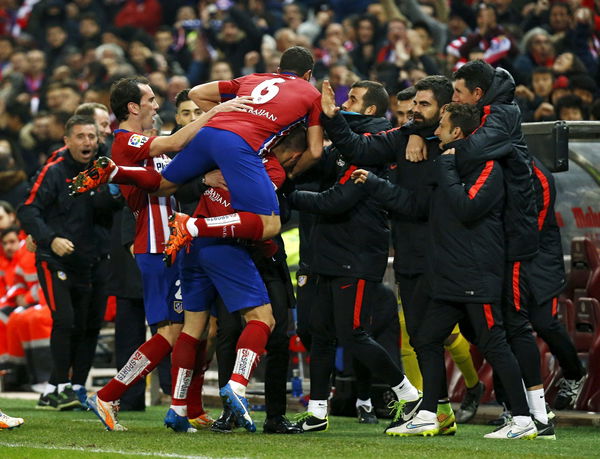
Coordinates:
328 100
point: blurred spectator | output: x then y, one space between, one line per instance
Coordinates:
538 51
57 47
47 13
366 45
570 108
142 14
404 106
7 46
13 179
90 30
568 64
562 87
585 87
220 70
332 50
534 101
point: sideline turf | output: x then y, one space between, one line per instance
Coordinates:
80 434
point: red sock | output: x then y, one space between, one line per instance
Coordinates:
250 346
182 367
244 225
145 178
195 406
142 362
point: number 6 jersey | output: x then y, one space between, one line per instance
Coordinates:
281 101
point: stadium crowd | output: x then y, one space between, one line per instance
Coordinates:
68 96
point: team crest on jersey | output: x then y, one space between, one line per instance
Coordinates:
302 281
340 162
178 306
137 140
61 275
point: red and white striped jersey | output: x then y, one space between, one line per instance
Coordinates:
151 212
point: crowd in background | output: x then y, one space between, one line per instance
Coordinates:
56 54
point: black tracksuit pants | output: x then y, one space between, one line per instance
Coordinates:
230 327
342 316
306 297
482 325
68 294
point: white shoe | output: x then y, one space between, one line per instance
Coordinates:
415 427
7 422
512 431
106 412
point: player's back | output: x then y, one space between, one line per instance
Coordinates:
281 101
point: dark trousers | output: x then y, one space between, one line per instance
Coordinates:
69 297
130 333
342 315
482 324
306 296
548 327
230 326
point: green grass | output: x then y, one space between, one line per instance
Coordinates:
80 434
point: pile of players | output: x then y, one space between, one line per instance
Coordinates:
468 199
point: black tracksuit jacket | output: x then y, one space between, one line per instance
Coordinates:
408 231
465 233
350 237
51 212
500 137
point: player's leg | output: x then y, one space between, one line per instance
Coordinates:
490 338
159 285
8 422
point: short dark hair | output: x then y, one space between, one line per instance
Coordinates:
543 70
464 116
10 229
583 81
477 74
570 101
124 91
439 85
78 120
407 93
296 59
89 109
182 96
8 207
375 95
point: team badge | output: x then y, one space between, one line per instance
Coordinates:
178 306
302 281
340 162
137 140
61 275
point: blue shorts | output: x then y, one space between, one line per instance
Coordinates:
248 182
162 292
218 267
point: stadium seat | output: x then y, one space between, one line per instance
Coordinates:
566 314
587 323
585 262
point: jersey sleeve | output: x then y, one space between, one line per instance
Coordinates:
229 89
131 149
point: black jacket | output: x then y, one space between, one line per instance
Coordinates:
408 232
50 212
465 255
547 269
350 236
500 137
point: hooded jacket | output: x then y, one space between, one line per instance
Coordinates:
500 138
350 236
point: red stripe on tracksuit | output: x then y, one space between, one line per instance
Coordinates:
360 290
545 194
49 286
489 317
554 306
486 112
515 285
487 170
40 179
347 174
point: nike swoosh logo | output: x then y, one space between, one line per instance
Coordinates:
410 425
510 434
306 426
346 286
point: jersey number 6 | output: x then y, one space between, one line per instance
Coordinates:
269 88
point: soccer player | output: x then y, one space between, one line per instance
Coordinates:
134 104
466 205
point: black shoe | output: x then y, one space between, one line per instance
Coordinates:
309 423
545 431
48 402
366 416
568 393
225 423
470 404
68 400
280 425
504 418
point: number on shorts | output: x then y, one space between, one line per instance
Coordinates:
271 90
